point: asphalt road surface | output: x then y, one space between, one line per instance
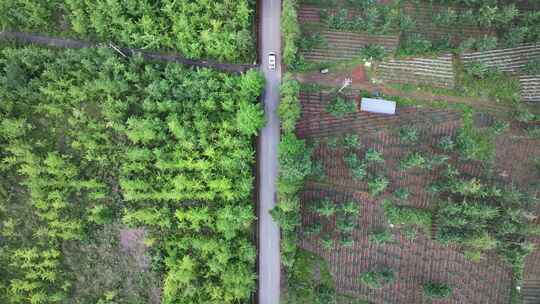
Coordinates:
269 253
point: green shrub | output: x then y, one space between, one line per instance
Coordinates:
377 185
433 290
374 156
373 52
413 160
358 168
326 208
483 82
289 109
408 216
350 208
381 237
318 171
345 225
475 144
339 107
294 159
446 143
377 279
351 141
314 228
199 29
346 241
290 32
327 242
110 134
532 67
409 134
333 142
402 194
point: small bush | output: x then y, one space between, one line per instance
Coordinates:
373 52
351 141
409 134
408 216
381 237
327 242
374 156
378 185
346 241
314 228
532 67
339 107
413 160
350 208
332 142
326 208
346 225
377 279
446 144
401 194
435 291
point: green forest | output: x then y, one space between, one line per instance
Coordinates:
92 144
220 30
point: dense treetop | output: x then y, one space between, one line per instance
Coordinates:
219 30
90 139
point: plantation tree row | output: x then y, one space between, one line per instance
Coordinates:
219 30
89 139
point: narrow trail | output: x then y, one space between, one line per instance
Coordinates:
29 38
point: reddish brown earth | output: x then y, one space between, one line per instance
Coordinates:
336 78
359 75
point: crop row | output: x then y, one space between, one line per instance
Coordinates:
505 59
530 88
423 14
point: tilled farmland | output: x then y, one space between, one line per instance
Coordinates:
341 45
530 88
487 281
423 14
414 262
438 72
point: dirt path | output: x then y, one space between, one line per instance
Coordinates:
28 38
336 80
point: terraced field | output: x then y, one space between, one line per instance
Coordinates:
437 71
340 45
347 45
422 14
510 60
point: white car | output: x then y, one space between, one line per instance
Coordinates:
272 61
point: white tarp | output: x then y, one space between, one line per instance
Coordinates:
378 106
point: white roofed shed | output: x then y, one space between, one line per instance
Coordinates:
378 106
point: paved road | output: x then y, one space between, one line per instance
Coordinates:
269 254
